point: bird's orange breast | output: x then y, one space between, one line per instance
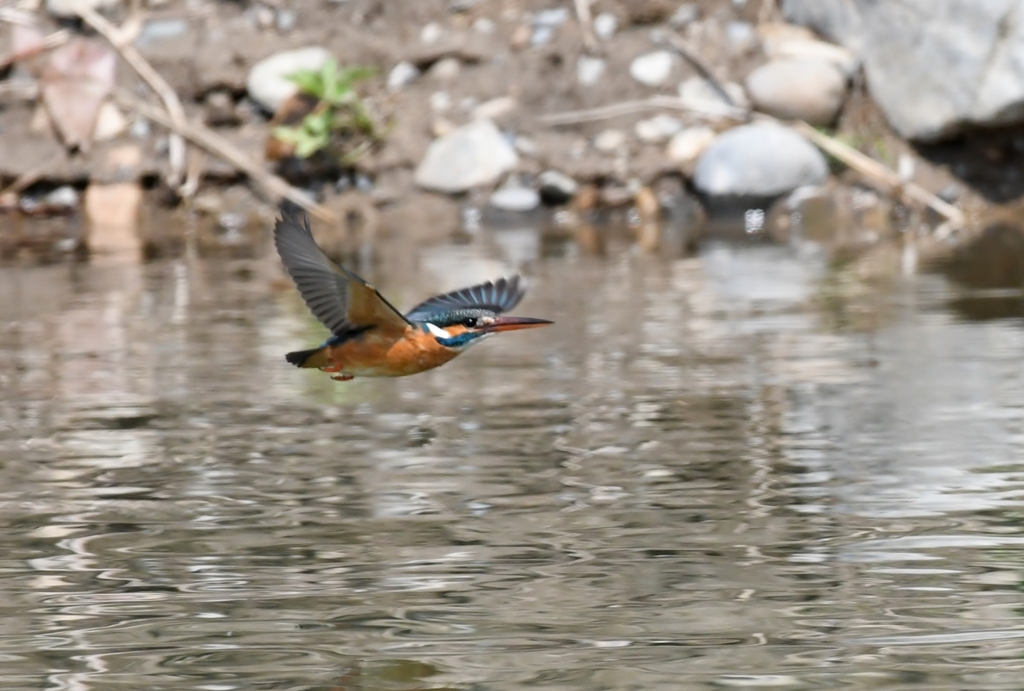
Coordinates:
376 355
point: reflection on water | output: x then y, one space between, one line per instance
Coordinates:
691 482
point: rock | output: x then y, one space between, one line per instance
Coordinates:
589 70
515 198
431 33
758 160
701 95
652 69
526 146
472 155
66 8
686 147
541 36
495 109
446 70
741 36
657 129
554 17
440 101
609 141
110 123
790 41
483 25
64 197
556 188
686 13
811 90
402 75
605 25
935 67
268 82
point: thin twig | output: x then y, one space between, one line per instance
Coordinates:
131 55
873 170
52 41
586 24
572 117
690 55
217 145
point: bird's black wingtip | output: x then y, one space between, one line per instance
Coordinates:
292 215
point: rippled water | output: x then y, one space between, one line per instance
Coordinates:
712 473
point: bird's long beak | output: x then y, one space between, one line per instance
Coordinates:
514 323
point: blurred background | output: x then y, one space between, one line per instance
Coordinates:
773 440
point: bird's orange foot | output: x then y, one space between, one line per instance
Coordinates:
343 377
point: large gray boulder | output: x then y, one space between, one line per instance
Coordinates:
761 160
934 66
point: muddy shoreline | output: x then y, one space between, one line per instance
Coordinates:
536 70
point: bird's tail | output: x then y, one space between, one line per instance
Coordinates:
314 357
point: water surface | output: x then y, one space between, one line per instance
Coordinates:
711 473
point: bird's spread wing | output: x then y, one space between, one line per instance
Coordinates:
337 297
497 296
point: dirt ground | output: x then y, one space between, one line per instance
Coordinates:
205 49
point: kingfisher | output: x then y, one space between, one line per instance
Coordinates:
369 337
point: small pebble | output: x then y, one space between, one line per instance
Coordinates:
440 101
556 187
605 25
686 13
609 141
554 17
657 129
541 36
483 25
515 199
446 70
286 20
589 70
401 75
431 33
652 69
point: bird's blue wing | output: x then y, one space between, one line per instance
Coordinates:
497 296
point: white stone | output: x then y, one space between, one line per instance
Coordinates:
652 69
515 198
556 187
446 70
553 17
686 147
431 33
804 89
605 25
402 75
268 82
657 129
483 25
759 160
610 140
684 14
440 101
110 122
589 70
470 156
495 108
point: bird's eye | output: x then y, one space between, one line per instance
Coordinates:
470 322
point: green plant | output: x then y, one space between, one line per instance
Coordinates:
339 110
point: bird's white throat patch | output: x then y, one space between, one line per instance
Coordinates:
437 331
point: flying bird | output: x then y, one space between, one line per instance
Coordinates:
369 337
